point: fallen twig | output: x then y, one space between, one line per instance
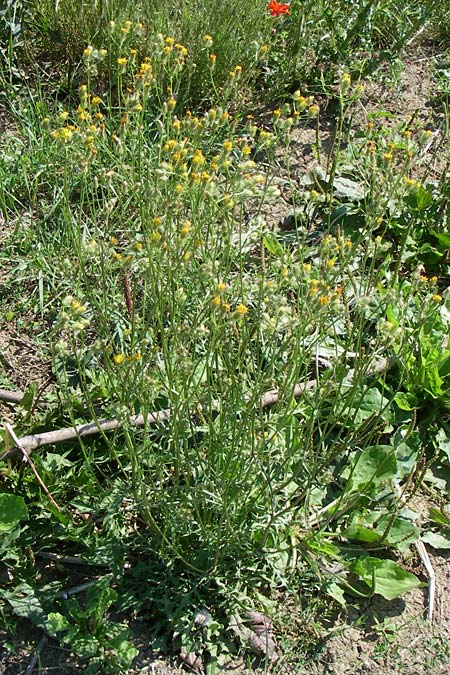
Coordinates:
39 647
67 560
34 441
74 590
11 396
20 447
425 558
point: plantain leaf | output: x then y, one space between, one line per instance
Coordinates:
385 577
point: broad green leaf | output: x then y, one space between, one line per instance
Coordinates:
99 598
443 239
405 401
401 532
56 623
12 511
125 650
407 452
374 464
357 532
272 245
437 539
385 577
335 591
443 442
54 462
370 403
419 199
344 188
28 397
85 646
25 604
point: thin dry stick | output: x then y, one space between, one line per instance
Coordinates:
425 558
67 560
39 647
30 443
19 445
11 396
74 590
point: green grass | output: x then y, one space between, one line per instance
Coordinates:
141 263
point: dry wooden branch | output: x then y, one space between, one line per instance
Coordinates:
20 448
11 396
39 647
34 441
30 443
67 560
425 558
74 590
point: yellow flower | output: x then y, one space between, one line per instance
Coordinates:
216 301
436 297
119 358
324 300
345 82
186 228
198 158
221 287
241 310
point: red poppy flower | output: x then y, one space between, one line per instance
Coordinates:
278 8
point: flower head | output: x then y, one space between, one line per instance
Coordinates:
278 8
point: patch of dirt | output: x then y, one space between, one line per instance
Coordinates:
407 98
405 644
